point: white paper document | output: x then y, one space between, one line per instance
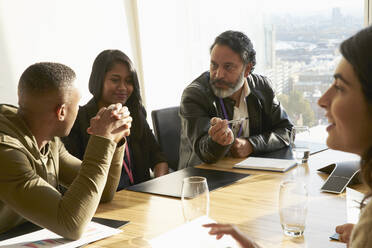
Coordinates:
353 200
270 164
192 234
45 238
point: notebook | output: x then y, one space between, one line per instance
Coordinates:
269 164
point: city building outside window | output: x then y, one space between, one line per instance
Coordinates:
296 42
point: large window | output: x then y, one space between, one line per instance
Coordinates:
296 42
176 36
69 31
304 41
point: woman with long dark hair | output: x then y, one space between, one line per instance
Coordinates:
348 105
114 80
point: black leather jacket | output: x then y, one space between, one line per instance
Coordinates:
269 125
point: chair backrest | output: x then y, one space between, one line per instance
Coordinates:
167 129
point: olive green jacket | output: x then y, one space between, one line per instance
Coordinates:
29 179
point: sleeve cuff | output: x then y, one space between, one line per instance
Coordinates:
100 149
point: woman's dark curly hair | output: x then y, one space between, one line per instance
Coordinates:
357 50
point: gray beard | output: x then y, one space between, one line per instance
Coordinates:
222 93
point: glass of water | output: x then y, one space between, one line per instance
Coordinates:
195 197
293 197
300 136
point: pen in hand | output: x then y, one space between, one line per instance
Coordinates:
237 120
234 121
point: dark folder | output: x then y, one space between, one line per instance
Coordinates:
315 147
29 227
286 152
171 184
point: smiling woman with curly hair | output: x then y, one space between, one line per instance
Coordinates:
348 105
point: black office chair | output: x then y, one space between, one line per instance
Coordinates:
167 129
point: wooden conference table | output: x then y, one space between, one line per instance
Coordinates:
251 204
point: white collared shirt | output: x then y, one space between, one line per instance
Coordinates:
242 112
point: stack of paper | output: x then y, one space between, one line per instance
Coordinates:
192 234
353 200
270 164
45 238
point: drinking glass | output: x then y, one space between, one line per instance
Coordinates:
195 197
293 197
300 136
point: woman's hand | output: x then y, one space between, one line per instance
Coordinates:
221 229
345 232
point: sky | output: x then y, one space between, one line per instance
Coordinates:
306 6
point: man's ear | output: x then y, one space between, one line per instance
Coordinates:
61 112
248 69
